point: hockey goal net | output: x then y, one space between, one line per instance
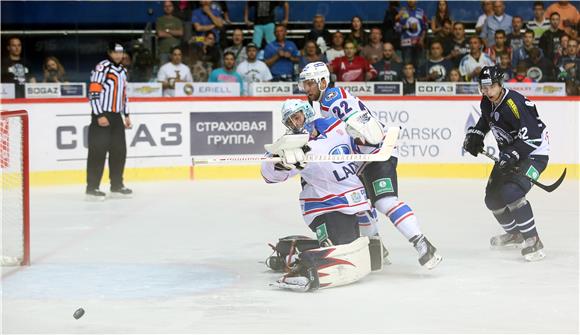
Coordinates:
15 195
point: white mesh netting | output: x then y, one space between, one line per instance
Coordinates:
12 195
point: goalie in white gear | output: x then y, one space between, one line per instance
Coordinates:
379 178
330 199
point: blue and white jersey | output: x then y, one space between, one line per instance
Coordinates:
338 102
326 186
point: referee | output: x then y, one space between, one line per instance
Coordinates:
108 99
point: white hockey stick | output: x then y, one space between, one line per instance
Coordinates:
383 154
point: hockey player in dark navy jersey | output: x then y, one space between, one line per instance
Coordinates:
522 139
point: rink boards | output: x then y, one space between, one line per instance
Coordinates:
168 131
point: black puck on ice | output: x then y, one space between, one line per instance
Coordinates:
79 313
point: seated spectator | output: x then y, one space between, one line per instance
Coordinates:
540 69
206 18
208 52
237 48
550 40
169 31
562 49
409 79
358 36
389 68
499 47
15 69
389 21
437 67
53 71
253 70
454 76
521 75
523 52
460 45
351 67
311 53
227 74
499 20
412 24
173 72
569 65
515 39
445 36
264 19
472 63
569 16
487 11
319 34
505 64
337 49
441 15
281 55
373 51
539 24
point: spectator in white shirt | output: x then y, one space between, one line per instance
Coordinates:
337 49
173 72
487 8
253 70
472 63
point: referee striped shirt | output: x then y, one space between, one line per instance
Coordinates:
108 89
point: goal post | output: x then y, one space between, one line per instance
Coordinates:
15 196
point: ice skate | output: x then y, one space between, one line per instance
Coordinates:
428 256
533 249
95 195
507 240
121 192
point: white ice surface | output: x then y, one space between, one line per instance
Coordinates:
183 257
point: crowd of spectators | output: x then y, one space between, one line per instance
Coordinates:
408 46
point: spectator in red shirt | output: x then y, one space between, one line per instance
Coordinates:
521 75
351 67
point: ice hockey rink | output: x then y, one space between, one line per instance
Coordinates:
186 257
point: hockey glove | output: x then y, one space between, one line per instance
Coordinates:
473 142
508 160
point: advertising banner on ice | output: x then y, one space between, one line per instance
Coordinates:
144 90
207 89
214 133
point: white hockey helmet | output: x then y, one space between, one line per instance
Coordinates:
314 71
293 106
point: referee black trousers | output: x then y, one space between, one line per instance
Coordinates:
103 140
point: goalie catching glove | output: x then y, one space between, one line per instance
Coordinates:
364 127
292 148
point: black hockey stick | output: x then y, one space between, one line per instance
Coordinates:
547 188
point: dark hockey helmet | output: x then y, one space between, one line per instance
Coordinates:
489 75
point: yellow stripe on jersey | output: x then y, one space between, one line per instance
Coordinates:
514 108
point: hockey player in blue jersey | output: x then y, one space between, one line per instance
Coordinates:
379 178
522 139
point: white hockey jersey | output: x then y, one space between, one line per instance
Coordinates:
339 103
326 186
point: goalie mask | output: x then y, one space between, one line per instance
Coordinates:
298 116
315 72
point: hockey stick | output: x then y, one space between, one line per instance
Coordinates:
547 188
382 155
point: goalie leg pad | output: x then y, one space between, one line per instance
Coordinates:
338 265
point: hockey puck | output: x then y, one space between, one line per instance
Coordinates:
79 313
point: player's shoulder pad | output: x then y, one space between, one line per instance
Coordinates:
331 95
325 125
102 65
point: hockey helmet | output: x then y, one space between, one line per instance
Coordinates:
314 71
489 75
293 106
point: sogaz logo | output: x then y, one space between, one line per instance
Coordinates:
341 149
